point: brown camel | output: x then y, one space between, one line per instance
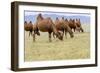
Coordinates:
46 25
78 24
72 24
75 25
62 25
28 27
35 29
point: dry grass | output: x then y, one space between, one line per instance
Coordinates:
71 48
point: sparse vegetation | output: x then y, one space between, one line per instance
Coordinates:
70 48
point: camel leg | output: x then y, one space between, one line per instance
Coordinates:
49 36
70 32
74 29
29 33
81 29
65 33
53 35
34 37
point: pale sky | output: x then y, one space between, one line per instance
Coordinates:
67 14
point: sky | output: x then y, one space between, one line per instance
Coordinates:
59 13
31 16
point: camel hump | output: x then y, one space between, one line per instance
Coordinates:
62 18
57 18
39 17
25 22
73 20
48 18
78 19
39 14
30 22
70 19
66 19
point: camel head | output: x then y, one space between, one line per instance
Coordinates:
25 22
59 35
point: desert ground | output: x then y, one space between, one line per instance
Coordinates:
70 48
